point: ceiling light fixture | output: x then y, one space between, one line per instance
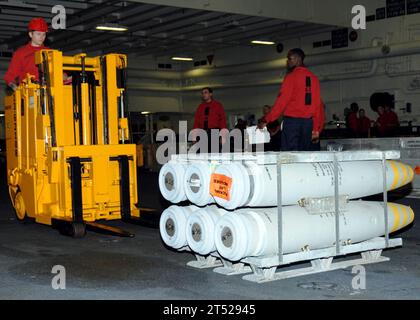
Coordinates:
263 42
109 27
182 59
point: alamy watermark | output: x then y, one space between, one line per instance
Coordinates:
359 280
204 141
58 282
59 20
359 20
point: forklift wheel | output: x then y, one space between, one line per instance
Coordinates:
78 230
20 208
12 194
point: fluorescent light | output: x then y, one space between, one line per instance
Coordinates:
262 42
145 112
111 28
182 59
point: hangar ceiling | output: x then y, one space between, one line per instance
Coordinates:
158 28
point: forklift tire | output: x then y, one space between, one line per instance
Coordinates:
78 230
20 208
12 194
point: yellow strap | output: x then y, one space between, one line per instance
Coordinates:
396 175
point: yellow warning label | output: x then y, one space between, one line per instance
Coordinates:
220 186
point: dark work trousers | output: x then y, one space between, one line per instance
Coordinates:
296 134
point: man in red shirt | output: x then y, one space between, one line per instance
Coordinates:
300 102
352 120
23 60
363 127
387 122
210 115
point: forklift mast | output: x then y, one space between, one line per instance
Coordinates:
67 141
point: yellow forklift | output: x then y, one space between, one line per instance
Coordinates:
69 159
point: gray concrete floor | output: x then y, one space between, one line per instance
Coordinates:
107 267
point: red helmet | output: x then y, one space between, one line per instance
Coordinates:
38 24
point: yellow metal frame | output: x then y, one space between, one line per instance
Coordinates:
50 122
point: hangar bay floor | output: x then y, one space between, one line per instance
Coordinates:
102 266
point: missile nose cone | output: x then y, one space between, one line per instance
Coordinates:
411 171
411 215
408 174
402 216
400 174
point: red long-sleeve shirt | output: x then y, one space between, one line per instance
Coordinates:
292 99
353 121
363 126
23 62
388 121
215 117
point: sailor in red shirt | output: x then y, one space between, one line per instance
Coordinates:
387 122
210 115
352 119
299 101
363 126
23 60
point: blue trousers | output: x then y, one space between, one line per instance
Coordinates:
296 134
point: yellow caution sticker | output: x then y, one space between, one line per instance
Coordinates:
220 186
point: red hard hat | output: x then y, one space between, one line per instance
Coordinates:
38 24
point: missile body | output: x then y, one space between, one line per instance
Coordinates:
255 185
253 232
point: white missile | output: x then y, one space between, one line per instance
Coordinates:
197 177
171 181
172 225
250 184
200 229
253 232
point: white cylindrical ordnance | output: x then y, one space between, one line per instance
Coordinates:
253 232
200 229
197 183
254 185
171 181
172 225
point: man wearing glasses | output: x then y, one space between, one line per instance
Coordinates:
210 115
